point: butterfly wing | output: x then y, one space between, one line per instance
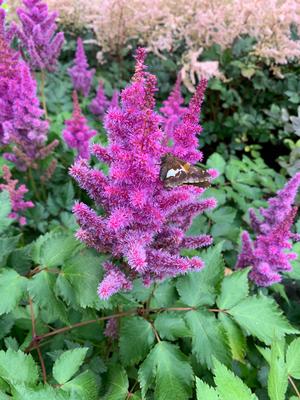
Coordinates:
169 163
197 176
176 172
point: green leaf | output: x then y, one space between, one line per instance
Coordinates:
278 375
230 386
55 250
164 295
235 337
41 289
117 383
265 352
199 288
17 367
84 386
234 288
7 245
223 215
12 288
248 72
208 339
171 326
79 278
247 191
205 392
261 317
293 358
6 323
68 364
216 161
136 338
20 259
167 368
5 209
46 392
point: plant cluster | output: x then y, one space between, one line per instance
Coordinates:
106 289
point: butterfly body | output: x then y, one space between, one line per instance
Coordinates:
177 172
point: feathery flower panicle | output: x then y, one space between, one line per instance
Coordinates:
111 329
100 103
21 120
267 254
18 204
143 225
81 75
173 110
114 102
38 35
185 134
77 133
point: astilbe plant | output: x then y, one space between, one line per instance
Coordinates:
143 225
100 103
21 122
18 204
77 133
37 33
267 255
115 99
80 73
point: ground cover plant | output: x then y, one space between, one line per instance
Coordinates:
149 222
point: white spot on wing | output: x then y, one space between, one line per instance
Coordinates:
173 172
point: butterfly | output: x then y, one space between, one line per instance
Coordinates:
176 172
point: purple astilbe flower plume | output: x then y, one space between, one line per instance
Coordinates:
111 329
100 103
20 112
81 75
9 31
185 133
143 225
18 204
114 102
77 133
38 35
267 255
279 207
172 110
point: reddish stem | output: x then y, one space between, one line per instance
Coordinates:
36 341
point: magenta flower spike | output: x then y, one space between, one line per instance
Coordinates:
81 75
18 204
268 254
77 133
20 112
38 35
100 103
185 133
173 110
143 225
114 102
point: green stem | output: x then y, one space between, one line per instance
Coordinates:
43 82
294 386
33 185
